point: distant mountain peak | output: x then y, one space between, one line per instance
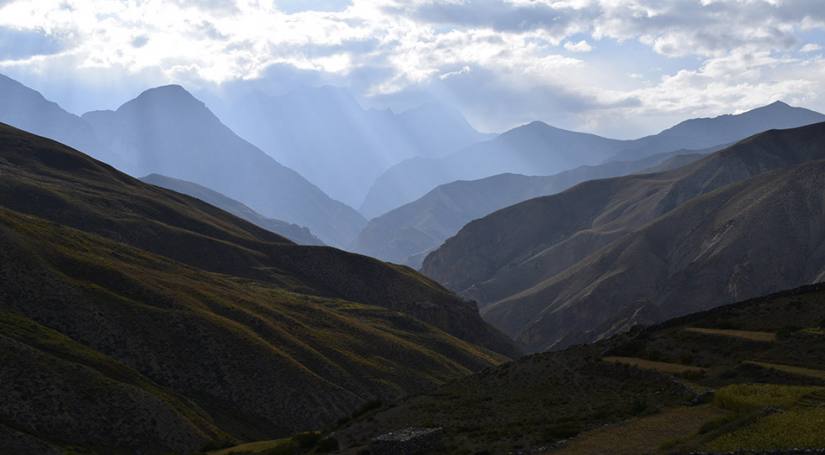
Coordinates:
168 100
172 92
779 103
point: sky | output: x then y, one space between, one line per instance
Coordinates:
621 68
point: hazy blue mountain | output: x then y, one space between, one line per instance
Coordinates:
328 137
532 149
297 234
407 234
538 149
27 109
608 254
167 131
706 132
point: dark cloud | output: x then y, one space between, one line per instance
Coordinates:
21 44
140 41
495 14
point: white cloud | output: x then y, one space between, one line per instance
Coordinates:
810 47
581 46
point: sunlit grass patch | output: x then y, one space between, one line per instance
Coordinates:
796 428
748 397
742 334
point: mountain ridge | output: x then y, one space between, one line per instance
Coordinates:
412 179
168 131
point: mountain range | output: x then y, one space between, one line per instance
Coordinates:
167 131
324 134
139 319
608 254
537 149
407 234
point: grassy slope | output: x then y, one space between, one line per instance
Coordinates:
51 181
527 403
179 325
256 359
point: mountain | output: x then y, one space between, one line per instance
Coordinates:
706 132
325 135
741 378
539 149
297 234
139 319
27 109
606 254
407 234
167 131
532 149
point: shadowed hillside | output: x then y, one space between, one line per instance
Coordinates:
592 260
297 234
180 325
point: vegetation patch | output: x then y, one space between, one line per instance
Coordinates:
749 397
767 337
796 428
800 371
662 367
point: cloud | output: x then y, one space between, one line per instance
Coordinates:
494 14
536 57
810 47
581 46
22 44
298 6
